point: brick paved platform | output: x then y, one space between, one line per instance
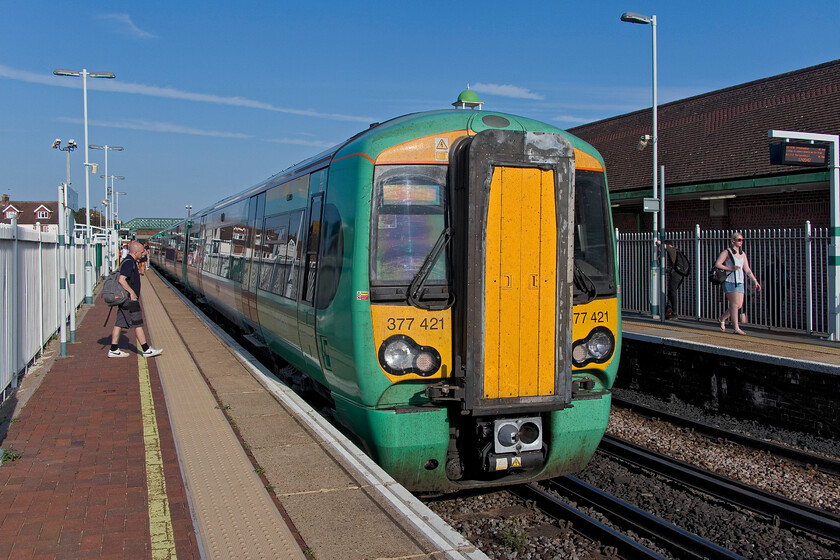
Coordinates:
146 458
79 488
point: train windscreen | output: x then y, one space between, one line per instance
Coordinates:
593 247
409 217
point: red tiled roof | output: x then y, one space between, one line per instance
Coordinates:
29 212
721 135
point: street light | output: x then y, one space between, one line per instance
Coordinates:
189 208
63 222
117 196
88 267
106 148
71 145
632 17
110 190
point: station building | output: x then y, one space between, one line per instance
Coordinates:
716 152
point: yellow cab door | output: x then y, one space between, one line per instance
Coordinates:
513 210
520 284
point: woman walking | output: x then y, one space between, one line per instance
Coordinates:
735 261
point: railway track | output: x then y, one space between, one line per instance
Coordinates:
788 512
680 543
824 464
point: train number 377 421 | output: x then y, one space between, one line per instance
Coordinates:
593 317
407 323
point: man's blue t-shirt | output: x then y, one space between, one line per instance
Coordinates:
128 268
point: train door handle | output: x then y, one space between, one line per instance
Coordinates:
325 356
535 281
506 281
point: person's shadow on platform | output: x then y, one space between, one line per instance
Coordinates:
124 343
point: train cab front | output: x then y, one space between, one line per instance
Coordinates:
481 323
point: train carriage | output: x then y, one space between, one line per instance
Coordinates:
448 278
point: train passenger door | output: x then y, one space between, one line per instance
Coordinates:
252 263
513 219
309 259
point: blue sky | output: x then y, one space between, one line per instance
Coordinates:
211 98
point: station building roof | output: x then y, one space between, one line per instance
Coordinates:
150 224
720 137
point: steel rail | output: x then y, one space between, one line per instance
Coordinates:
824 464
627 548
789 512
681 543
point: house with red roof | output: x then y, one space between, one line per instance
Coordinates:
38 214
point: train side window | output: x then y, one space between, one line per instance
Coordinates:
332 256
294 249
275 265
313 241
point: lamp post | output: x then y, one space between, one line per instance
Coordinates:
632 17
65 288
88 267
109 190
106 148
117 196
189 208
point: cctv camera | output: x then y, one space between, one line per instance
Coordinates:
72 143
643 142
57 143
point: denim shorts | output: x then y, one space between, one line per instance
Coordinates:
129 315
730 287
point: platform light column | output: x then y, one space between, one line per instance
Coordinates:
88 265
632 17
106 147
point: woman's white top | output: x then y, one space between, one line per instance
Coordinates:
737 276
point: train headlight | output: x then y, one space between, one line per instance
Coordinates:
400 355
597 348
517 435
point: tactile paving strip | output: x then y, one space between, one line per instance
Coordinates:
234 514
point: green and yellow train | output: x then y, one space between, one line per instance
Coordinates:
447 278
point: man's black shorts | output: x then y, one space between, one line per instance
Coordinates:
129 315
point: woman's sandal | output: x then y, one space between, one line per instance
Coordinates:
723 326
739 331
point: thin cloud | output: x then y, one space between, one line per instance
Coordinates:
152 126
127 26
507 91
169 93
571 119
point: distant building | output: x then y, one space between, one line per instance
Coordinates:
715 149
144 228
41 214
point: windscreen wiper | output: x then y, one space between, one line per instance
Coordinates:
584 285
415 289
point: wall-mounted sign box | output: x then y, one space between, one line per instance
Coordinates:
799 153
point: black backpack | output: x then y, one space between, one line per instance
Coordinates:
681 264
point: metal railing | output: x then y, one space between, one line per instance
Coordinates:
791 264
29 286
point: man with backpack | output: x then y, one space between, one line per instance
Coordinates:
677 267
129 314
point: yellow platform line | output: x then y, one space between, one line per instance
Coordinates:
160 521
